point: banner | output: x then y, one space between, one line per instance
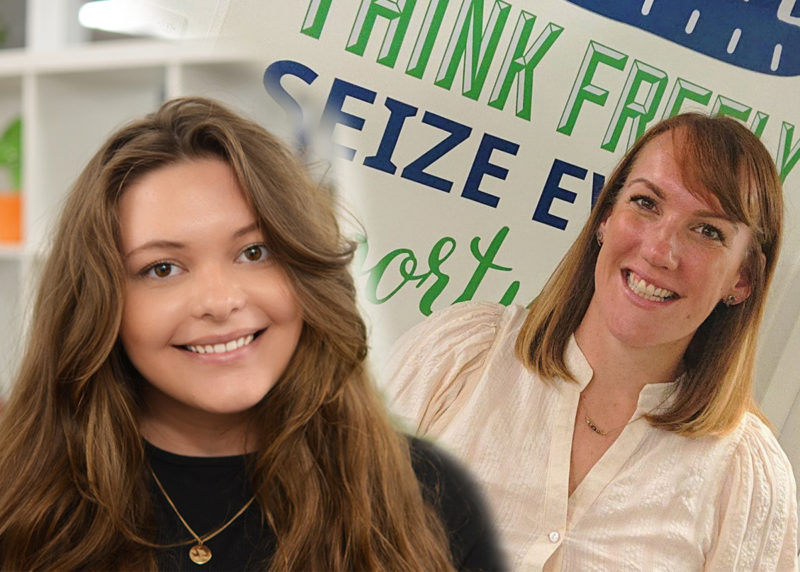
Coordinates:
471 137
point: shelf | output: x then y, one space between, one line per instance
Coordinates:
11 253
14 63
119 54
122 54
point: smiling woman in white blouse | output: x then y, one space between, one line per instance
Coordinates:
612 422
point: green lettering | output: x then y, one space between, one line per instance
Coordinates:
726 106
583 89
637 104
685 90
510 294
469 43
435 259
788 154
398 12
316 15
421 53
408 264
485 263
758 123
519 64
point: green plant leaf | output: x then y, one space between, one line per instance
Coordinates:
11 151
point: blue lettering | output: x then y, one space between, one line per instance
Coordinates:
415 171
333 113
553 191
481 166
382 160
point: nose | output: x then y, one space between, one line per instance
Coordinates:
660 245
217 294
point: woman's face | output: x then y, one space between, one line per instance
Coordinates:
209 319
668 256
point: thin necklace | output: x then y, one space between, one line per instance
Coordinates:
199 553
593 426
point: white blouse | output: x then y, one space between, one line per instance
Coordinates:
654 501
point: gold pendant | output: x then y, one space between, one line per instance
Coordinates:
594 427
200 553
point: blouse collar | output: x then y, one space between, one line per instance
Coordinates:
653 398
577 364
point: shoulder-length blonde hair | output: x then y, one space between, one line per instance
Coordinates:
332 477
719 157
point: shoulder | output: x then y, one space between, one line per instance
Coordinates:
469 327
755 449
757 506
430 365
449 486
476 314
754 458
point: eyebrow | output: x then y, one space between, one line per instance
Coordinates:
171 244
703 213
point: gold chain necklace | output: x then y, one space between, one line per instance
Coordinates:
199 553
593 426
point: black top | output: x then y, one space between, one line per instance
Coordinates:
210 490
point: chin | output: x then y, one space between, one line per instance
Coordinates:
229 404
637 335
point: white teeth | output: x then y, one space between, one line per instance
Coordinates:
222 347
647 291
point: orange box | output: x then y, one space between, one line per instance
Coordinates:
10 217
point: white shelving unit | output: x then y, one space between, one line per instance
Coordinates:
71 95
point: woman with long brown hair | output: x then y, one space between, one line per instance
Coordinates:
621 398
194 389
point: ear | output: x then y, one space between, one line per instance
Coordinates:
602 226
741 290
744 287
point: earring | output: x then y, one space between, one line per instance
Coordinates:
599 237
729 300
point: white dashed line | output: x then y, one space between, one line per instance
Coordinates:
692 21
646 5
776 57
734 41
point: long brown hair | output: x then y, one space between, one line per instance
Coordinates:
332 477
719 157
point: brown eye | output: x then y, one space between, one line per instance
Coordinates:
160 270
254 253
644 202
711 232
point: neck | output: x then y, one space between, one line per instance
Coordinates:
625 369
173 427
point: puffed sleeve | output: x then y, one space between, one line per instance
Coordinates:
757 507
431 364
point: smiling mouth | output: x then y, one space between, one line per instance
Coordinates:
648 291
222 348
